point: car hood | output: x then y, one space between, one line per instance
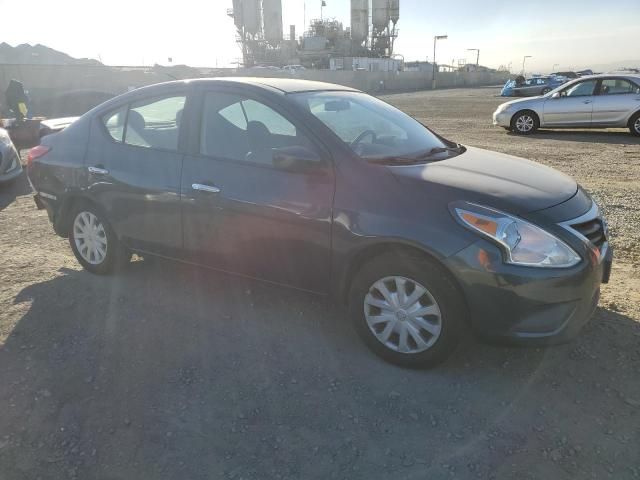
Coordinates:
522 100
493 179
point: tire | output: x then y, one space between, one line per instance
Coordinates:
445 321
101 253
525 122
545 90
634 124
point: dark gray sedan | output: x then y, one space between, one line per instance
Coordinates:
326 189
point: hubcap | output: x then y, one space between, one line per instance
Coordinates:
90 238
402 314
637 125
524 123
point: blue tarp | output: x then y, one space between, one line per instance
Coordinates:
507 90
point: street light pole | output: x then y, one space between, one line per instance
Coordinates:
524 59
477 50
433 77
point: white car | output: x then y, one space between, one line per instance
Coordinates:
596 101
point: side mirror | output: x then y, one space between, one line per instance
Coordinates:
556 95
297 159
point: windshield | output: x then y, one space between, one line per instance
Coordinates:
372 128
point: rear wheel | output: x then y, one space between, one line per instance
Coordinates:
93 241
634 124
525 122
407 310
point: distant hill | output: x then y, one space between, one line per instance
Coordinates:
39 54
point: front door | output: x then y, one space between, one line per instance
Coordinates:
616 100
573 107
244 214
134 169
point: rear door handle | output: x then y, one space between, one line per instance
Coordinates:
205 188
587 101
98 170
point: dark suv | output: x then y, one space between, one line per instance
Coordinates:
326 189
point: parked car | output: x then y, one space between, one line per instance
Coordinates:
326 189
569 75
10 166
293 69
27 133
531 86
597 101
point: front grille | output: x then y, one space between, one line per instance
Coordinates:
593 230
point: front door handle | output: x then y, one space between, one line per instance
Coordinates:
205 188
98 170
587 101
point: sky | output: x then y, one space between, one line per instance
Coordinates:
570 34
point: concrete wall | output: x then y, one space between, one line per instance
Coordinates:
57 90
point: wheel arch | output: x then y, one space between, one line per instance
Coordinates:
632 116
535 114
62 222
370 252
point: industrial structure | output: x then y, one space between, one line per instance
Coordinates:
371 34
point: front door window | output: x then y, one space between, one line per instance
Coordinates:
580 89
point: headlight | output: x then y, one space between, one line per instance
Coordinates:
522 242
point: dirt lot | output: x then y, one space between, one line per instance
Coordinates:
171 372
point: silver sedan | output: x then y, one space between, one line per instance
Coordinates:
10 167
596 101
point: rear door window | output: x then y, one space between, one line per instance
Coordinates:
617 86
155 123
114 122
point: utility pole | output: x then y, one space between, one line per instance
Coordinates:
477 50
433 77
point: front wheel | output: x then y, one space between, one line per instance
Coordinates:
634 124
407 310
525 122
545 90
93 241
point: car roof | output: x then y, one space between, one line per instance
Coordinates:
285 85
633 76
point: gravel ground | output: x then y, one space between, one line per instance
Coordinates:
167 371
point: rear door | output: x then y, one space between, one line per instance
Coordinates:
574 106
617 98
134 165
242 213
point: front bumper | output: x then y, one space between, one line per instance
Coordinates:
525 304
502 119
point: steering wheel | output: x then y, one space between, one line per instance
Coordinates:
364 135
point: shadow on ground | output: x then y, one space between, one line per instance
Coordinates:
588 136
15 188
168 371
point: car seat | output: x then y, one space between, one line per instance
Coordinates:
260 143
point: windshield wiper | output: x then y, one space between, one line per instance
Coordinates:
406 160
